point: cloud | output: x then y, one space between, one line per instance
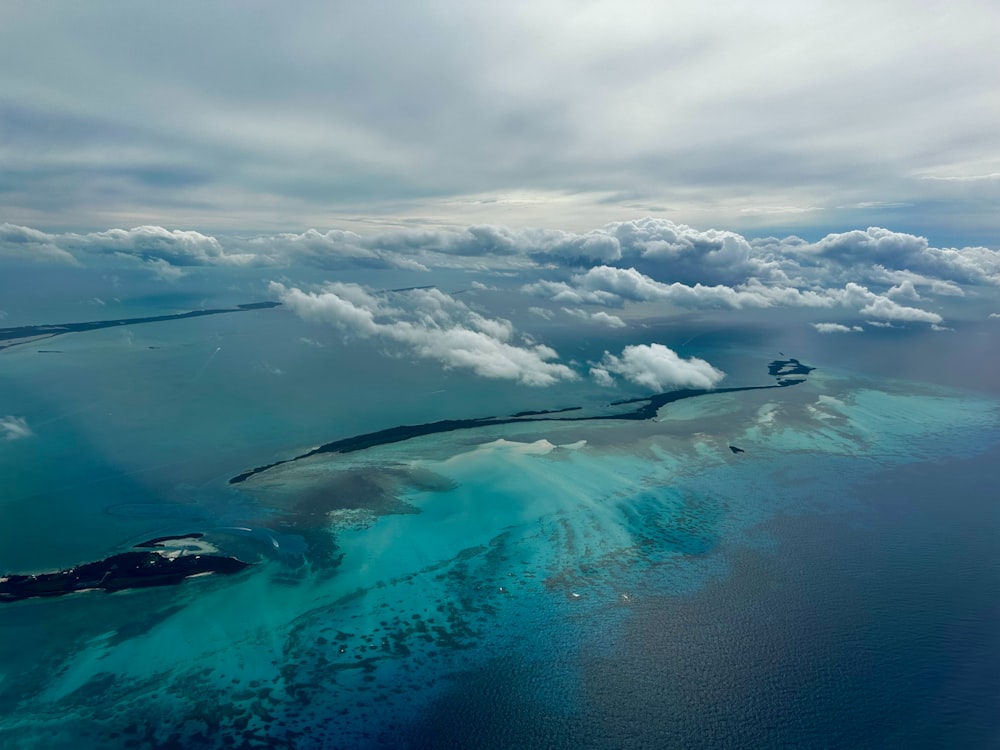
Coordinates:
163 270
162 249
431 325
333 124
24 243
886 309
168 252
836 328
897 251
602 377
904 290
991 177
876 272
658 368
177 247
641 260
607 285
652 243
330 250
881 307
14 428
611 321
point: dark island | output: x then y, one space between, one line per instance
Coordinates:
647 408
781 368
127 570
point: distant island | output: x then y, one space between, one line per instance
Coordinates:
24 334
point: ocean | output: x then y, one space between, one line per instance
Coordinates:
804 566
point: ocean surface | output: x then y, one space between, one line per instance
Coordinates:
594 583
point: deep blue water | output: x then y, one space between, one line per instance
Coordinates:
872 629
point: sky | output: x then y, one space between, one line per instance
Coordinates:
765 118
576 164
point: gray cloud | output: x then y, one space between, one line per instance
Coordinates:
463 114
24 243
883 248
332 249
167 251
177 247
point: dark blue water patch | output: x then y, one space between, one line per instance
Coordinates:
870 629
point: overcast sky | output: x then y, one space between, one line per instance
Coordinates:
763 118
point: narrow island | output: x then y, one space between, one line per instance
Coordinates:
647 408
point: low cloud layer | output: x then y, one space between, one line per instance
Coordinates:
873 274
168 252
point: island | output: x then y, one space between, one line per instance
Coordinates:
24 334
164 565
647 408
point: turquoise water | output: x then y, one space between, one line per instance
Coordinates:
590 584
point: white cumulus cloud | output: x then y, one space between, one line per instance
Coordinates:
658 368
836 328
612 321
431 325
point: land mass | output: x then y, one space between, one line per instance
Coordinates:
647 409
127 570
